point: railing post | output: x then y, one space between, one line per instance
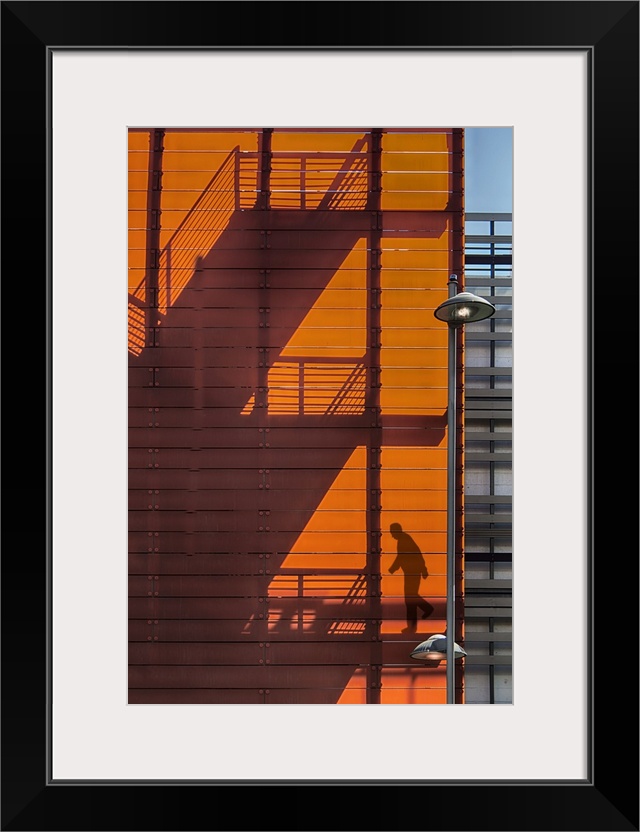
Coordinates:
372 397
154 195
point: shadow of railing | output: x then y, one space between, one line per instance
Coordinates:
298 181
199 231
301 594
196 235
323 180
319 386
137 324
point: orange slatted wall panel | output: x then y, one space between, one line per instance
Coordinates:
287 412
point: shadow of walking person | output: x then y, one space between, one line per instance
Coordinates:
410 560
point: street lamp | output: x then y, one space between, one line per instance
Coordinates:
460 308
434 649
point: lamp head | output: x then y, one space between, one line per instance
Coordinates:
464 308
435 649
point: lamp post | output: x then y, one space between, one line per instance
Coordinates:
460 308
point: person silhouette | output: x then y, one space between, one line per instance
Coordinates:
410 560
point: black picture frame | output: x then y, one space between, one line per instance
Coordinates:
608 799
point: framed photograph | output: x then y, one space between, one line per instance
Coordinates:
88 86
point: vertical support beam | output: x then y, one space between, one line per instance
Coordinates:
374 446
458 488
457 143
263 294
154 195
452 364
264 182
261 394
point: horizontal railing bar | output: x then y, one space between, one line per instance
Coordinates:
476 517
486 436
498 456
495 499
503 533
478 404
488 660
482 280
489 371
487 612
482 216
493 602
475 638
487 583
488 238
487 414
488 557
476 393
488 336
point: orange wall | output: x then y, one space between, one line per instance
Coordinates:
291 409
